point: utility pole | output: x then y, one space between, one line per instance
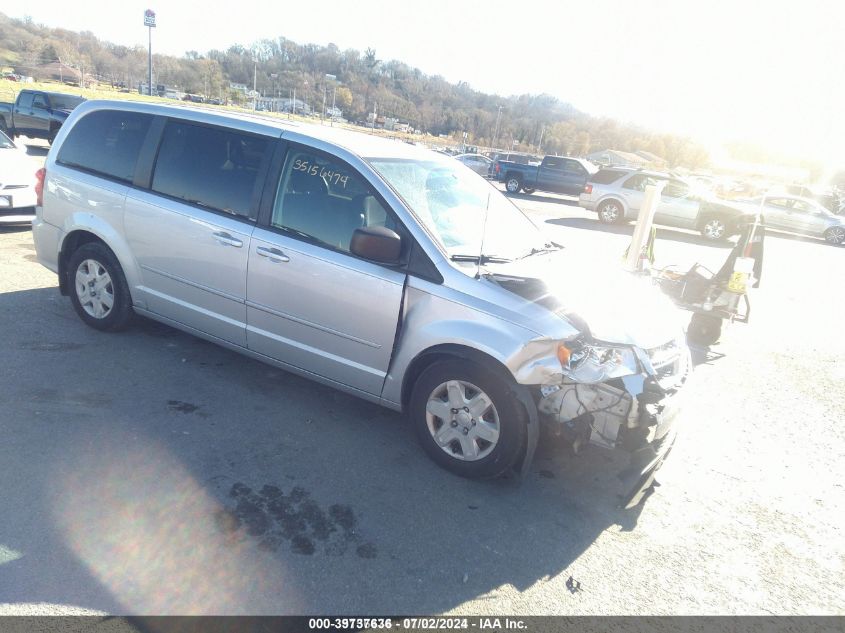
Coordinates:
255 85
540 144
150 22
496 133
375 116
334 96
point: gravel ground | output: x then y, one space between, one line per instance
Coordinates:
151 472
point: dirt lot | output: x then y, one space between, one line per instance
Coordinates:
151 472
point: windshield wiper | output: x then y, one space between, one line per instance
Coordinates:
480 259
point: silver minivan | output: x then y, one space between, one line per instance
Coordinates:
377 267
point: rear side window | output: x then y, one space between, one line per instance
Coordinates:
25 100
606 176
211 167
574 167
106 142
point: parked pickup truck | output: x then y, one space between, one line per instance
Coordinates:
37 114
557 174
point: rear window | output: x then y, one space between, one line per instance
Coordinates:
208 166
106 142
606 176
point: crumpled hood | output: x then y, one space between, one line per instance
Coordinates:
616 306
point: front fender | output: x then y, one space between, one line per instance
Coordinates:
429 321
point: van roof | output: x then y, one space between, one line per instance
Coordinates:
367 146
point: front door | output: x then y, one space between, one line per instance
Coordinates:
677 207
310 302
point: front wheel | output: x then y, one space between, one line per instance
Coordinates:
835 235
100 294
714 229
467 419
513 185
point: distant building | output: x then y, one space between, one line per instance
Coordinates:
653 159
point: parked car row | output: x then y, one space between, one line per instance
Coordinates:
616 195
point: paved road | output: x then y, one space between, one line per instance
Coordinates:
151 472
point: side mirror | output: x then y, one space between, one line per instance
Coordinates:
376 243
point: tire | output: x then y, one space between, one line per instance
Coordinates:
611 212
528 190
463 448
513 184
704 329
93 267
714 229
835 235
5 129
52 136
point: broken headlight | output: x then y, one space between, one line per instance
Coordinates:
592 363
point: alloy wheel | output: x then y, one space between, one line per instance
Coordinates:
94 288
462 420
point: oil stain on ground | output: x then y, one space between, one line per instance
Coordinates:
295 519
182 407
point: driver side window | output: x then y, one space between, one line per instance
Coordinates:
325 200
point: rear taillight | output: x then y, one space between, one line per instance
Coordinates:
497 168
40 175
588 188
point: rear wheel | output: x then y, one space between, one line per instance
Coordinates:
467 419
611 212
513 184
704 329
100 294
835 235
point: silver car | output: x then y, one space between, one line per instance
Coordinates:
17 183
478 163
616 194
379 268
800 215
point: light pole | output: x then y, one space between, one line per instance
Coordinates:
496 133
150 22
255 85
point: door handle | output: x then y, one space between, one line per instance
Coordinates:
273 254
224 238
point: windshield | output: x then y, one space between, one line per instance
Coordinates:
65 102
451 201
6 142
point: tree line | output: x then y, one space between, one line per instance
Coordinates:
526 122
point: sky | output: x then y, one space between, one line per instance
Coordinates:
770 73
